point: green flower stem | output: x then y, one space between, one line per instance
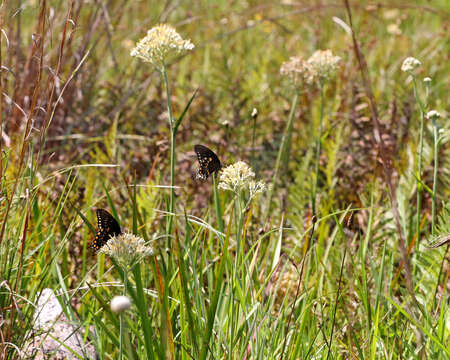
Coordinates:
419 160
240 216
122 324
172 150
252 161
284 142
237 264
318 150
217 205
435 175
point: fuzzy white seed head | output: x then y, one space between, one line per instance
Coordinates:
120 303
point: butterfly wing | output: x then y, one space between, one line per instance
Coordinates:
208 161
108 227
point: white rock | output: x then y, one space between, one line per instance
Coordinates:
53 333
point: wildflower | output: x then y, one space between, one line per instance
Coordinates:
296 69
433 115
394 29
254 113
391 14
239 177
236 177
160 41
256 188
427 80
410 64
127 249
120 303
322 65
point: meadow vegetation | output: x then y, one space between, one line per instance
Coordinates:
315 239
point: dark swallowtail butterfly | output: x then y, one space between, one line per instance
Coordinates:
108 227
208 161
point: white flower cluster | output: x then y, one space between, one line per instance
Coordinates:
410 64
433 114
320 66
127 249
296 69
239 177
161 41
394 29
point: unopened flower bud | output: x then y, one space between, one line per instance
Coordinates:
120 303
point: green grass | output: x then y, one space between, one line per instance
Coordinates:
330 262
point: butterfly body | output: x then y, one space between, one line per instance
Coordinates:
108 227
208 161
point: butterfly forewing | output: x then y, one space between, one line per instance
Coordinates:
108 227
208 161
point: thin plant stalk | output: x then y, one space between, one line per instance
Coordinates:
336 302
172 150
253 141
284 142
435 175
122 325
235 271
217 205
318 150
419 160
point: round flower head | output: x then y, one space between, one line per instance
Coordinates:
427 80
322 65
410 64
120 303
239 177
433 115
296 69
127 249
393 29
160 41
236 177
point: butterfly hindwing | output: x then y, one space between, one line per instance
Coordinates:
108 227
208 161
